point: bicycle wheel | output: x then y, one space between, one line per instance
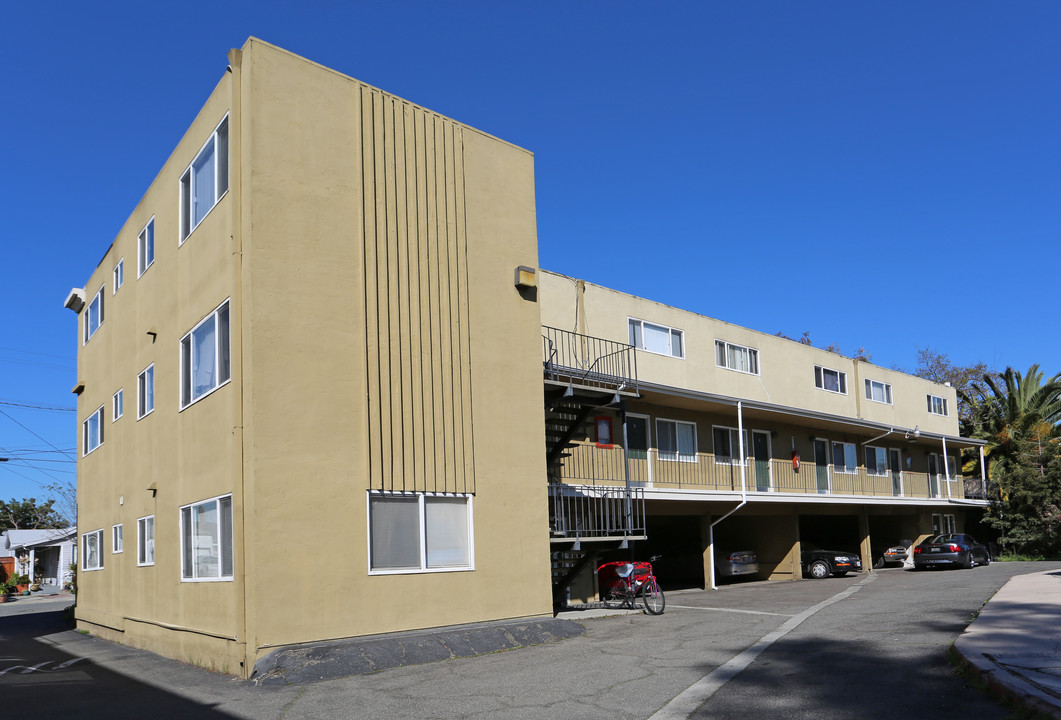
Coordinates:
652 597
615 596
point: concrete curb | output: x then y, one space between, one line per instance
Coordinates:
1004 684
359 656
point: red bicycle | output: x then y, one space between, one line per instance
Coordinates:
624 581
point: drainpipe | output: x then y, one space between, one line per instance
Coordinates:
890 431
946 466
626 462
983 472
743 494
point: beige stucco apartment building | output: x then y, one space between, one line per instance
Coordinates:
319 399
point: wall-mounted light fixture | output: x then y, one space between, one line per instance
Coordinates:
75 300
916 432
526 277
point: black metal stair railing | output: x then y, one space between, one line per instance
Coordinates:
596 512
588 361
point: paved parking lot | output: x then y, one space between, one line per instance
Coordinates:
876 652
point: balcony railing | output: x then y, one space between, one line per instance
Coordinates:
596 465
588 361
596 512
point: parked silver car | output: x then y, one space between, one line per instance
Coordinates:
734 564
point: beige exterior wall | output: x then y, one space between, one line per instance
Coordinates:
367 246
786 367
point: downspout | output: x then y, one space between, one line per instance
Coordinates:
946 465
890 431
626 463
743 494
983 472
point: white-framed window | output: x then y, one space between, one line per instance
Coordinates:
145 248
206 358
420 532
676 440
937 405
878 391
117 543
941 470
118 275
117 405
845 457
145 392
145 540
831 380
92 432
736 357
727 451
206 540
943 524
658 339
92 550
876 460
94 315
205 181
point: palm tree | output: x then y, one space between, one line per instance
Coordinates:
1010 407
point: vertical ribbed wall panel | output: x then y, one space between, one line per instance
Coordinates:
416 299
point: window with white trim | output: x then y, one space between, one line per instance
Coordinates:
92 550
92 432
845 457
943 524
658 339
206 540
831 380
876 460
727 451
145 392
205 181
145 248
94 315
117 405
206 360
118 275
878 391
941 470
676 440
736 357
420 532
145 540
117 544
937 405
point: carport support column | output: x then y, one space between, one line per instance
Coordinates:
706 532
865 547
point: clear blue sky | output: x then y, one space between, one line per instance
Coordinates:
883 175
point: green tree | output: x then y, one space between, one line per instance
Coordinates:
937 367
29 515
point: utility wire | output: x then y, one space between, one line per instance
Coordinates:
31 432
35 406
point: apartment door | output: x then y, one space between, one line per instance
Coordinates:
933 476
821 465
761 452
896 466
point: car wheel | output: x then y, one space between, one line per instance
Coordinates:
968 561
987 558
819 569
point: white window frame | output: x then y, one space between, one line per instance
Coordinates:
819 379
142 546
937 405
945 472
145 248
118 276
97 302
637 338
730 435
677 455
186 211
422 501
878 471
218 502
724 350
885 389
98 535
943 524
97 414
118 404
142 380
222 360
117 541
846 470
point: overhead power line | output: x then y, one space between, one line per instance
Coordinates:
37 406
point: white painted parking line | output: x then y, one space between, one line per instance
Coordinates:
686 703
732 610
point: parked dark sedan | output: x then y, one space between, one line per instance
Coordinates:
950 549
818 563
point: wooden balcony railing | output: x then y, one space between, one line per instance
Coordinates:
599 465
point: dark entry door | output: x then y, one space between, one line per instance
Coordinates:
761 451
821 465
895 465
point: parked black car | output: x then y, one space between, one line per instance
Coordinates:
951 549
818 563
